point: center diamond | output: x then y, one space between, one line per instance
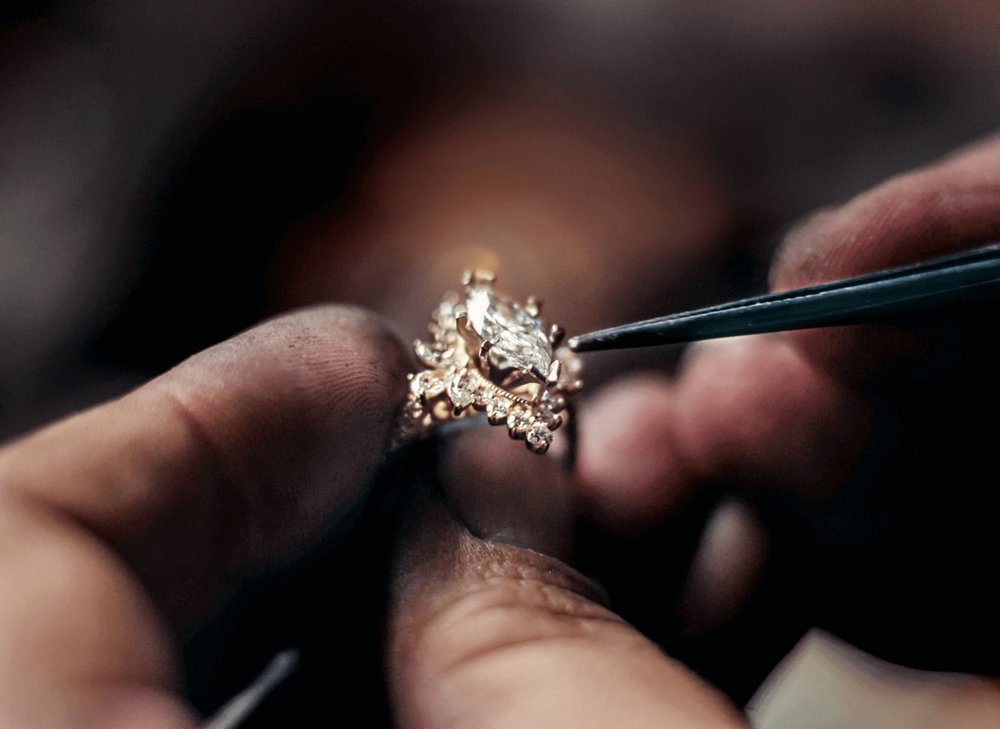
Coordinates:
518 339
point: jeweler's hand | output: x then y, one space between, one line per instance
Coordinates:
120 524
489 628
868 452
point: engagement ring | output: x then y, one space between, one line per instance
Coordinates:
492 354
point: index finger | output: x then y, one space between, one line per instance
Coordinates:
930 212
949 206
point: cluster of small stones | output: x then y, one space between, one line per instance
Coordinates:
439 395
453 388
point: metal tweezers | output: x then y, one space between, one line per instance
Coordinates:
969 276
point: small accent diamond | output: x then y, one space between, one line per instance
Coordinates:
430 383
461 390
555 402
498 409
539 438
547 417
483 396
519 420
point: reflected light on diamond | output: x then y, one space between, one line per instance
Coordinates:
519 339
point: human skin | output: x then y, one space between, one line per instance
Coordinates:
140 512
122 525
884 420
811 414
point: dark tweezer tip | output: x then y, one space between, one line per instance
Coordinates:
585 343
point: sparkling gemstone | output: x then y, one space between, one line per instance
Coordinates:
539 438
483 396
433 356
571 366
430 383
519 419
555 403
498 409
518 339
461 389
547 417
444 315
426 354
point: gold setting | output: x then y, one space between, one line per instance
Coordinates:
491 353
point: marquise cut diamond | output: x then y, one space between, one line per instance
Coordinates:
518 339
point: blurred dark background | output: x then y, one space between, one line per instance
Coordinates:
172 172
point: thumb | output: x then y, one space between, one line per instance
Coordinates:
485 632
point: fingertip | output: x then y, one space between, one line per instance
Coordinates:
928 212
756 412
629 471
300 408
328 366
318 354
726 567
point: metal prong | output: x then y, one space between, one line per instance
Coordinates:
482 357
478 276
556 334
538 374
533 305
465 330
552 376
